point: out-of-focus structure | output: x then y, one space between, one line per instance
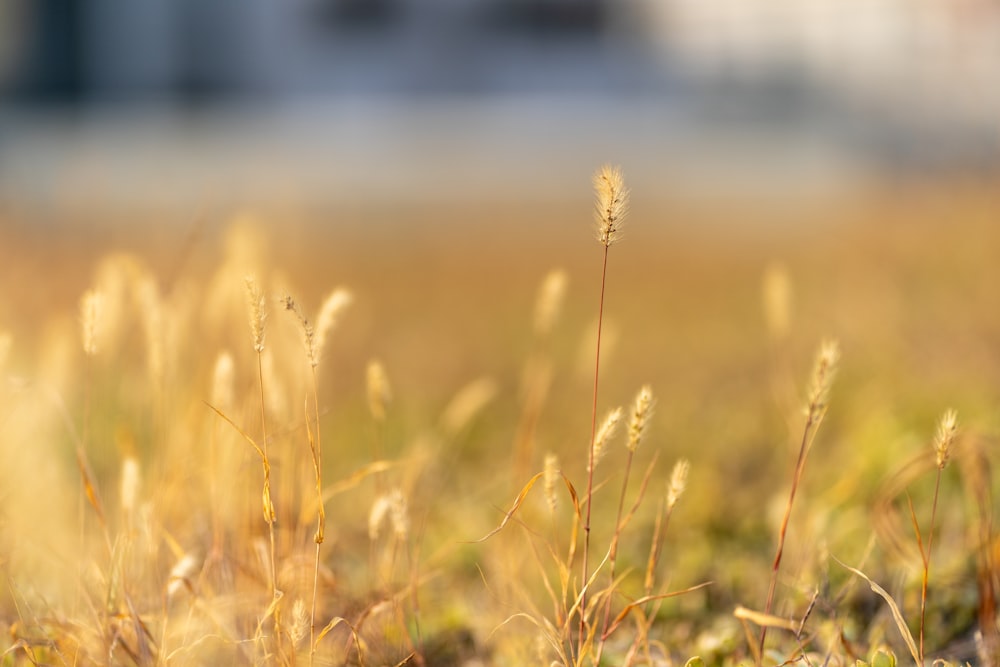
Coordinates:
821 87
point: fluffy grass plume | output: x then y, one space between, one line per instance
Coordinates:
612 203
611 207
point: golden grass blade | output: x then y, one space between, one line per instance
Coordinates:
512 511
572 493
246 436
93 497
346 484
643 485
761 619
334 622
520 500
897 615
650 598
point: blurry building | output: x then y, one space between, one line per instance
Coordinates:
190 49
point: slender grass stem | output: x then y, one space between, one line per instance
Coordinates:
268 503
590 466
796 478
317 454
822 378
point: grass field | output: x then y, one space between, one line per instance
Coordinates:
140 428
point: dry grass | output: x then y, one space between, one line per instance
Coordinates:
135 425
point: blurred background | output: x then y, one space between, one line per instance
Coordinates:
181 106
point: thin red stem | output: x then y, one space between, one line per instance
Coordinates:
799 466
590 466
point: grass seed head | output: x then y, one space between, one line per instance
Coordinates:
641 412
256 312
777 296
299 627
223 392
90 318
329 314
379 391
130 484
305 327
549 302
181 574
377 515
678 482
824 371
153 326
391 506
612 203
467 404
399 515
551 481
605 433
947 429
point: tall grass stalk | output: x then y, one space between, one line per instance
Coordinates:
822 378
314 339
258 315
90 316
947 428
379 396
641 410
611 207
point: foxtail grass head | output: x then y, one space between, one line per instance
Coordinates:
605 433
90 317
379 391
678 482
824 371
551 480
641 412
945 438
612 203
256 312
329 314
549 301
314 337
777 300
223 382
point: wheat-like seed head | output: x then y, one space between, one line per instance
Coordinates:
181 574
551 481
641 412
255 309
90 318
777 294
467 404
379 391
549 301
305 326
130 484
223 393
377 514
678 482
299 627
153 326
399 515
947 430
329 313
611 204
391 506
824 371
607 431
